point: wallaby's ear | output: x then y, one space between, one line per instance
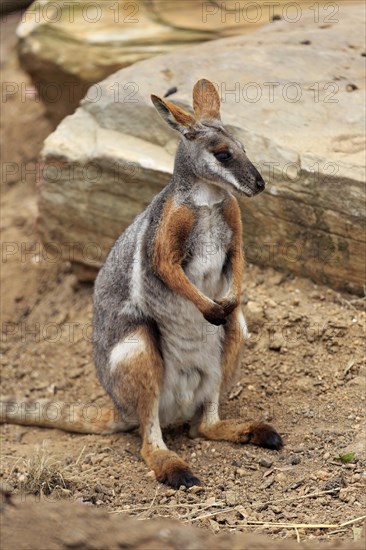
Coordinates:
206 100
175 116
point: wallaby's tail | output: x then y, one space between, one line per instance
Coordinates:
86 418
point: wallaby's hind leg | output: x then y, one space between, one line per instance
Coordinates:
167 465
137 374
210 425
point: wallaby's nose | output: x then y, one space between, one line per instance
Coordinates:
260 183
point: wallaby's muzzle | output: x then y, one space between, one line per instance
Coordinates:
250 181
259 183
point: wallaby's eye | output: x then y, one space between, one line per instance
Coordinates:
223 156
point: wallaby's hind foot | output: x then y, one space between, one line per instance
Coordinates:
169 468
264 435
258 433
207 423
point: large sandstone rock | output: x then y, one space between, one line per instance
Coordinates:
67 46
298 106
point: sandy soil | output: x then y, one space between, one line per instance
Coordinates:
302 370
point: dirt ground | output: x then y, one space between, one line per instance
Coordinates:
302 369
64 526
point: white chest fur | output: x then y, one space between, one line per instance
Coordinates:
205 194
209 248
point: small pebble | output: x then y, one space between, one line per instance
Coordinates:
276 342
321 474
214 525
294 459
196 489
265 462
260 506
343 495
268 483
280 477
231 498
334 483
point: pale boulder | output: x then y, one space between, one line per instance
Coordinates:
292 108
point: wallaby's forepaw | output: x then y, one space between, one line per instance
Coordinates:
264 435
228 303
177 476
216 315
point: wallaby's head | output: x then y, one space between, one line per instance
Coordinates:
215 155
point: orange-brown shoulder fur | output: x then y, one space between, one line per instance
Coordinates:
175 225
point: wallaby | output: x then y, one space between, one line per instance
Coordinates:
168 325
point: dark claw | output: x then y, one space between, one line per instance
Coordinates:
189 480
228 305
216 321
274 441
264 435
180 476
216 316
